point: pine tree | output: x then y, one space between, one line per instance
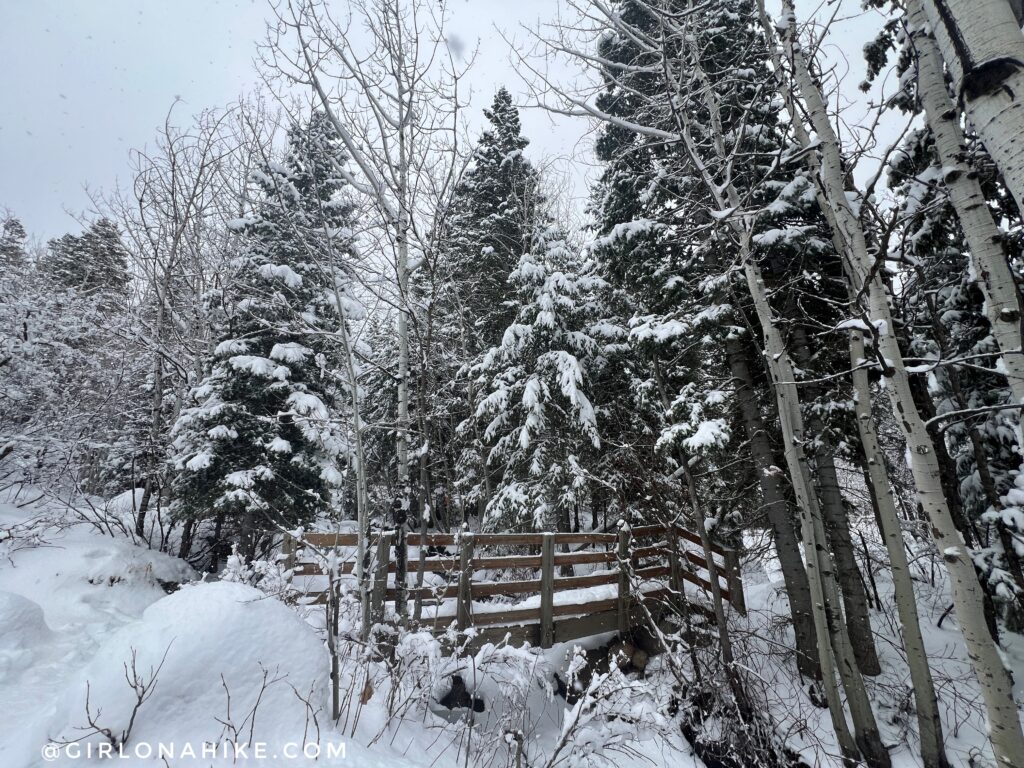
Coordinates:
493 222
12 243
538 421
261 446
93 262
496 213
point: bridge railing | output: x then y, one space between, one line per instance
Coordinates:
557 604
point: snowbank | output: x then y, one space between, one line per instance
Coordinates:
195 648
24 631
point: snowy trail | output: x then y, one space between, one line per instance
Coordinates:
86 586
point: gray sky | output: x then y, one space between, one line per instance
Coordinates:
83 81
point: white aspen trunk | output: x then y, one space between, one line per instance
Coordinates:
1005 732
362 496
362 510
933 752
404 423
929 724
984 50
784 385
405 93
866 740
156 409
1002 302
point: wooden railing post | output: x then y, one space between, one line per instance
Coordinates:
733 581
675 581
547 591
624 606
288 548
380 580
464 609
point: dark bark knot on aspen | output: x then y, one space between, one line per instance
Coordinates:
989 77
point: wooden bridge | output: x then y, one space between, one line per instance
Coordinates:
526 586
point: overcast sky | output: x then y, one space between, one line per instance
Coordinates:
83 81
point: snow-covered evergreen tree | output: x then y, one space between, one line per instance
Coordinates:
493 222
12 243
496 211
94 261
536 412
262 445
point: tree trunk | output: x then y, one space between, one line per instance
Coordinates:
933 752
215 548
829 623
837 528
983 47
359 461
140 513
1005 730
187 531
995 279
404 422
777 509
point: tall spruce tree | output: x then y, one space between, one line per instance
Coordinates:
12 243
261 446
496 213
493 222
93 262
536 415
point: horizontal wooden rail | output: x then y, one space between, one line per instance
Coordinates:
329 540
451 563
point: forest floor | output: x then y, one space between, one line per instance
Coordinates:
218 662
79 605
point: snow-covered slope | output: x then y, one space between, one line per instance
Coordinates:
78 609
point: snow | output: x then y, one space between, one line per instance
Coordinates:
308 404
259 366
279 445
206 640
709 434
290 352
200 461
281 272
231 347
76 611
25 631
236 225
219 432
73 610
626 231
57 604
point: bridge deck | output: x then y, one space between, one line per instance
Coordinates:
542 588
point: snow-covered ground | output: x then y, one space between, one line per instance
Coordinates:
91 623
89 629
77 609
808 728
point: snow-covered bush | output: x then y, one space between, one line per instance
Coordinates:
269 576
